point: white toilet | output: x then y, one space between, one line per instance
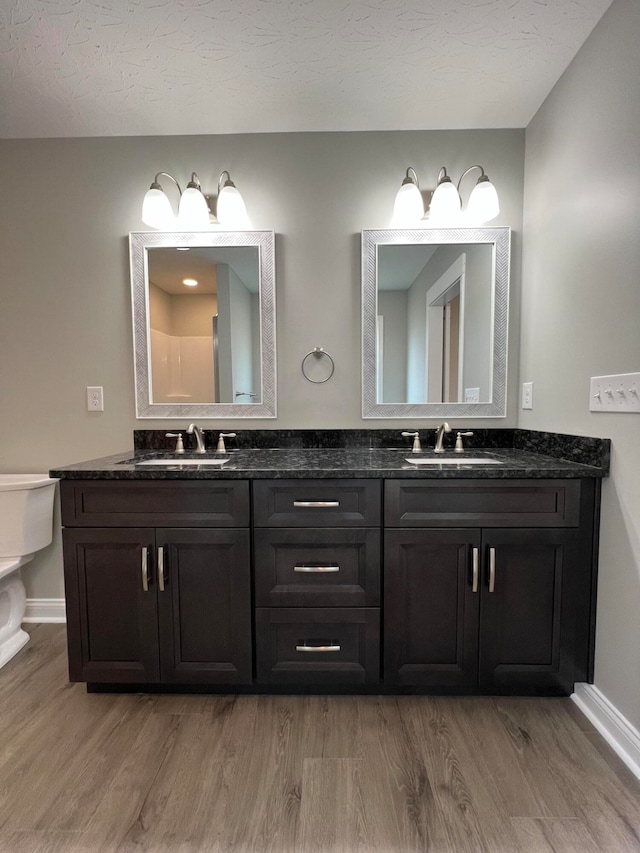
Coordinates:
26 526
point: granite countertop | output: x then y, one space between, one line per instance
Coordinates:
327 463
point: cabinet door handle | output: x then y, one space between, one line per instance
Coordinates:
475 569
313 648
316 504
161 568
316 569
145 569
492 569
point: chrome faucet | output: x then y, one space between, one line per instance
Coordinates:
440 435
192 429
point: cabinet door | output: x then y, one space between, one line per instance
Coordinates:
204 603
112 621
431 607
527 609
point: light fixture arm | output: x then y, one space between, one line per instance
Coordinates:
194 183
483 176
411 178
224 181
156 186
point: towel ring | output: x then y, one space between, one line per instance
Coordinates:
317 355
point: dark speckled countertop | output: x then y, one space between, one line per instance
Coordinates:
355 462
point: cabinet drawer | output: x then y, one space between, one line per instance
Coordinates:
482 503
316 503
318 646
154 503
321 568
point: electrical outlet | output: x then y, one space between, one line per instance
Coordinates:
527 395
95 398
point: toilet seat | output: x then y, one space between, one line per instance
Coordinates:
10 564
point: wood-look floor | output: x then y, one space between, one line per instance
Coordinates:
82 773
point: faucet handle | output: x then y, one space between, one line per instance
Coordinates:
459 446
221 448
417 447
179 448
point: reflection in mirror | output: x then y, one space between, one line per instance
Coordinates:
434 322
204 325
204 315
427 353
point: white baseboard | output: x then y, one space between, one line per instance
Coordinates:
614 728
45 610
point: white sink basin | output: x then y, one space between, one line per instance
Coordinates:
463 460
182 462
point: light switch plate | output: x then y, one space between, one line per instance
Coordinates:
527 395
617 393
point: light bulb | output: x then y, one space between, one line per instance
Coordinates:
445 203
193 213
483 202
231 210
408 208
156 210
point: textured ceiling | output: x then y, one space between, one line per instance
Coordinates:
129 67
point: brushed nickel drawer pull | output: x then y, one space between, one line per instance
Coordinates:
316 504
476 564
316 569
161 568
307 648
145 569
492 569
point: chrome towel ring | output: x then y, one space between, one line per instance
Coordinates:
318 363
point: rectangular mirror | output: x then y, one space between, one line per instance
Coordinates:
204 324
435 306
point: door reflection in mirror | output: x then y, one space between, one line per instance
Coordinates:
435 321
204 336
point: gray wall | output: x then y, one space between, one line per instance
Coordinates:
581 303
65 322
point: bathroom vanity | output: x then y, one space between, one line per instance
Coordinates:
324 569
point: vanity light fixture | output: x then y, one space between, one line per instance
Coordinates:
194 212
409 207
446 204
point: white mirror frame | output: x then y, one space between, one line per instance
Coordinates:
371 240
139 243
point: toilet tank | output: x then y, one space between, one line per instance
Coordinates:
26 513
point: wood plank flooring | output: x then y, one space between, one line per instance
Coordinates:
100 773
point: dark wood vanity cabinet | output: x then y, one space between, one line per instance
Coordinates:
167 605
398 585
483 606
